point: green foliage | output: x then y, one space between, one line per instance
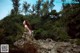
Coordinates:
25 7
50 29
78 42
11 29
60 31
61 28
71 19
15 6
38 6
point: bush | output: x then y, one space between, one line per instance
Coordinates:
78 42
11 27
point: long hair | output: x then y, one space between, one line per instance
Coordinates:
28 24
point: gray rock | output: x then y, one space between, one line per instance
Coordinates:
48 45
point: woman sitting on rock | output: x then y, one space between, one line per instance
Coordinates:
27 27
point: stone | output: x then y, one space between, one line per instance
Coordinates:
48 45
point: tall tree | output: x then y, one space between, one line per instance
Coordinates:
51 4
63 3
25 7
12 12
16 6
45 8
33 8
38 6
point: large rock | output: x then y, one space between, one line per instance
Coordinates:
25 39
46 46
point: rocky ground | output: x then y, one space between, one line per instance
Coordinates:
57 47
47 46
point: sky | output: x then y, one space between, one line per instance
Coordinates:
6 6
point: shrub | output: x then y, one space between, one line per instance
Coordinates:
78 42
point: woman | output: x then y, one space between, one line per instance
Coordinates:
27 27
